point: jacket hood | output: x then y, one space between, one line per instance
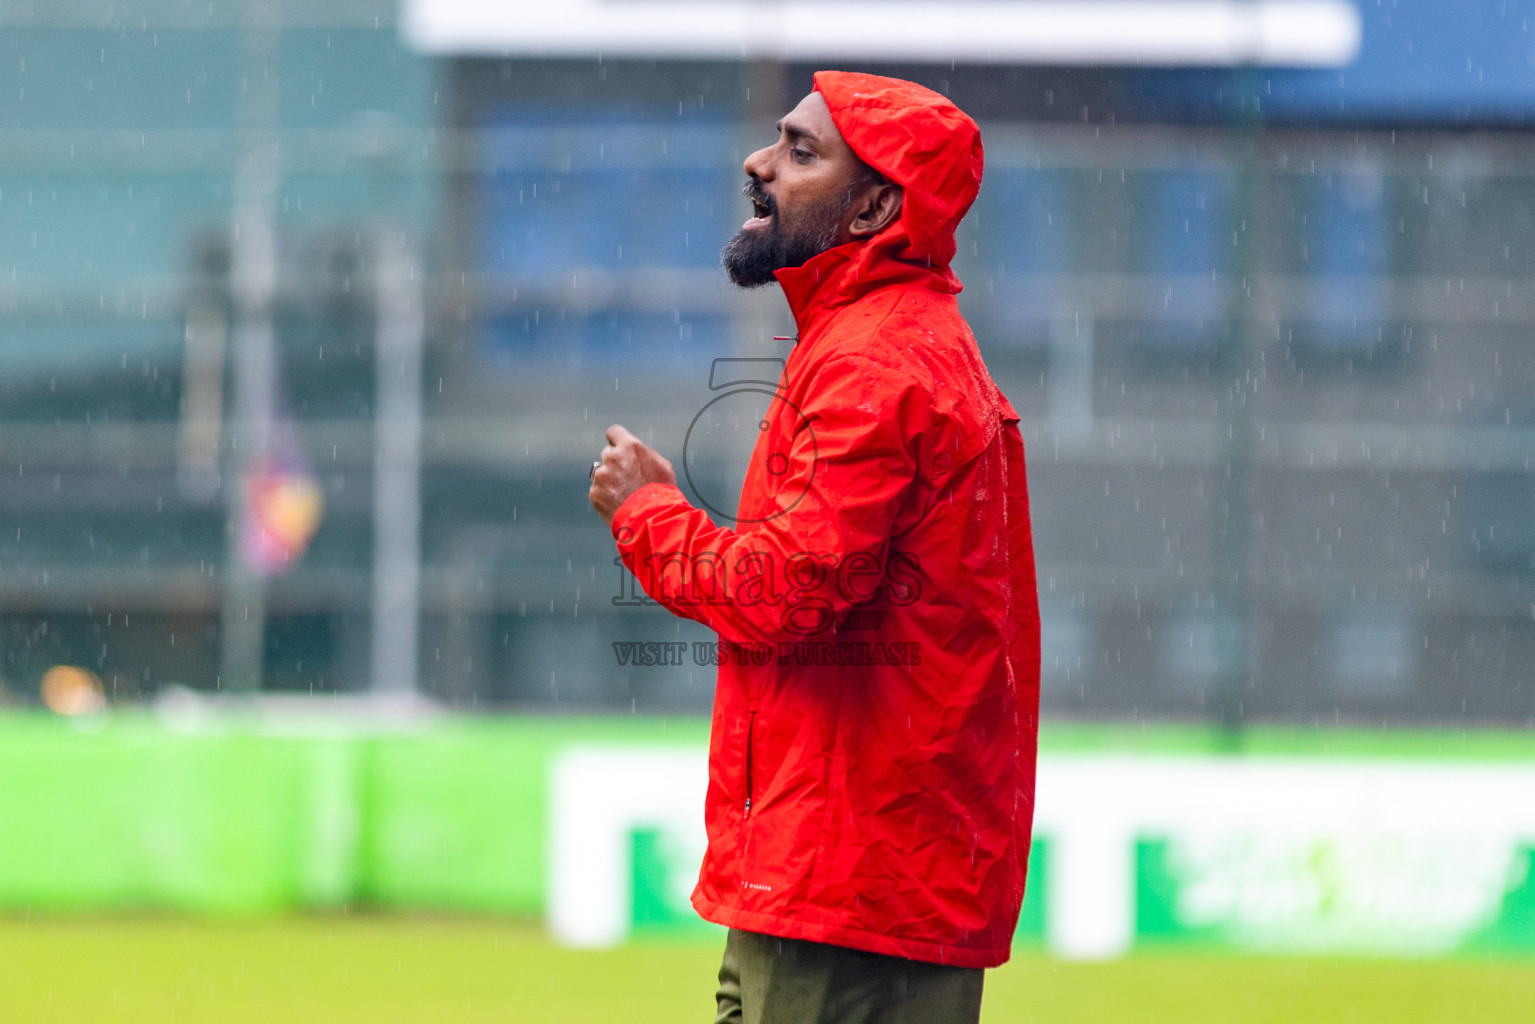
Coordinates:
921 141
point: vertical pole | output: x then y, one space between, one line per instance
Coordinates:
397 470
253 281
1234 613
199 440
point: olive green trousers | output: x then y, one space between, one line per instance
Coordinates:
768 980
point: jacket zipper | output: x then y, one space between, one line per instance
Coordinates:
751 721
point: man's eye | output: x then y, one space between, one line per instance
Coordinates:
800 154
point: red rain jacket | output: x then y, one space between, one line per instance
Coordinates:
871 764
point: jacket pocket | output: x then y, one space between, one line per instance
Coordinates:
751 721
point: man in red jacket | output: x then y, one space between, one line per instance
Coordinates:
871 763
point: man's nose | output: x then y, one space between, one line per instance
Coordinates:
758 165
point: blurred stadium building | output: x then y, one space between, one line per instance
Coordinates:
270 271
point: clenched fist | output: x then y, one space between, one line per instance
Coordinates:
627 465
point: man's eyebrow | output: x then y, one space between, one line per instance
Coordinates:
794 131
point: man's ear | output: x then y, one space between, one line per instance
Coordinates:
878 208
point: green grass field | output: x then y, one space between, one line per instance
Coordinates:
392 970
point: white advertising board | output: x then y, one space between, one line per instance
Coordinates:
1207 33
1253 853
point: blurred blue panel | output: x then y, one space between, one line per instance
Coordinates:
1497 518
1424 59
1501 513
118 79
1348 219
1187 219
1419 60
1027 218
610 195
614 339
1198 644
149 79
332 76
110 368
1347 263
562 194
1371 651
1024 232
1188 213
32 349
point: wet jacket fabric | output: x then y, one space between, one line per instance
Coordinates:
871 762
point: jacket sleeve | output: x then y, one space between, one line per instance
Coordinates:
821 547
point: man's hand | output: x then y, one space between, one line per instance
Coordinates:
627 465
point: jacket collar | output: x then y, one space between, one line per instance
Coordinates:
845 273
813 287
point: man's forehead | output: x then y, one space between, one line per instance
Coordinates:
812 118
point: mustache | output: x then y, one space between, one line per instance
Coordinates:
754 191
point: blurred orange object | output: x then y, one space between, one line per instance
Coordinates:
68 690
286 506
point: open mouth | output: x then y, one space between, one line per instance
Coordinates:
762 211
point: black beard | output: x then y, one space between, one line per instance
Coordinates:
751 257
